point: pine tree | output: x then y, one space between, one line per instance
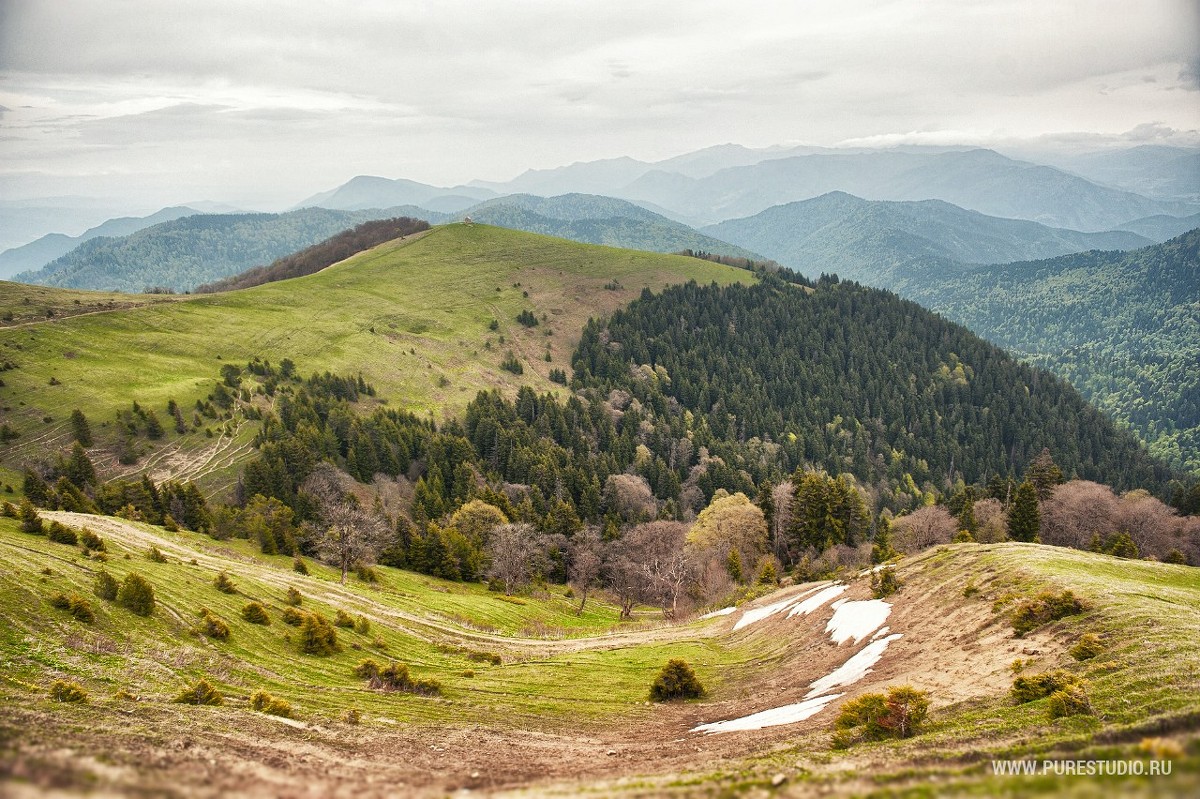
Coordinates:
1024 518
80 428
1044 473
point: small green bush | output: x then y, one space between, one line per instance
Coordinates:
106 586
1072 700
1039 686
61 534
299 566
1043 609
136 594
92 541
293 617
155 554
353 716
362 625
30 521
294 597
970 589
343 619
367 574
67 691
263 702
223 584
317 636
79 607
367 669
395 677
875 717
1088 647
213 626
202 693
169 524
676 681
255 613
884 583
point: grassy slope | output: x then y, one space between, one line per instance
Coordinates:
564 676
412 317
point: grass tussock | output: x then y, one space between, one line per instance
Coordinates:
395 677
1087 647
1041 685
224 584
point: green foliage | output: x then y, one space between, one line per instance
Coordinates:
1043 609
67 691
1024 517
527 318
884 583
768 575
30 521
1120 545
106 586
79 607
61 534
512 364
881 547
299 566
92 541
264 702
676 681
293 617
1038 686
294 597
318 636
202 693
970 589
136 594
213 626
255 613
1087 647
875 717
224 584
80 428
362 625
343 619
156 555
1072 700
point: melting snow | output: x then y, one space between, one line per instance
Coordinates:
721 612
788 714
813 602
758 614
856 620
882 631
853 669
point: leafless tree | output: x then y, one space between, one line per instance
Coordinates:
630 496
513 549
782 497
991 523
923 528
649 565
585 563
348 535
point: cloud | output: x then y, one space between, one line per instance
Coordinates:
1189 76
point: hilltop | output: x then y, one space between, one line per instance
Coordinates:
534 697
412 317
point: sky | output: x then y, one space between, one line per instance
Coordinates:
259 103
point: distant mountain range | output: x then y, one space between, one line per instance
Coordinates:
888 244
1166 173
366 191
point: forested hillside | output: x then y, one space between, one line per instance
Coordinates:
1124 328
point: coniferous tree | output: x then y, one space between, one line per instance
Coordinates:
1024 518
80 428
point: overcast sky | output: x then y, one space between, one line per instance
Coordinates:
263 103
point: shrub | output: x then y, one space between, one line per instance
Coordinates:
1087 647
92 541
353 716
343 619
156 555
1039 686
106 586
1176 557
299 566
223 584
214 626
527 318
362 625
61 534
1043 609
255 613
1072 700
293 617
468 673
67 691
169 524
263 702
317 636
395 677
202 693
676 681
8 510
970 589
875 717
79 607
30 521
367 574
294 598
136 594
367 669
884 583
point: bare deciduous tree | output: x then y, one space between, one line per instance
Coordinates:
513 549
629 495
585 564
923 528
649 565
349 535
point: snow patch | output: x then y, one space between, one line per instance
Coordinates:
882 631
853 669
813 602
758 614
788 714
857 620
721 612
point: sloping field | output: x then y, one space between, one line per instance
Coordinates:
412 316
564 709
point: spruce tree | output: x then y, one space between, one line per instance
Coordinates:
1024 518
80 428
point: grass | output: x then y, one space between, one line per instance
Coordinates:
412 316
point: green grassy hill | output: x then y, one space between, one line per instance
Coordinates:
534 696
412 317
